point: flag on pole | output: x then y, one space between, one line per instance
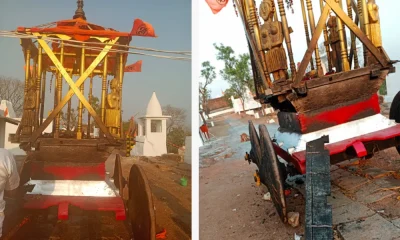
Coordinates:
135 67
142 29
217 5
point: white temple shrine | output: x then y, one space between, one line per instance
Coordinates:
151 139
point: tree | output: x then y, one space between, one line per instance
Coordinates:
95 103
178 117
236 70
228 93
73 122
175 137
208 73
12 89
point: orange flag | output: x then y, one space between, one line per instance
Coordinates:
217 5
30 68
135 67
142 29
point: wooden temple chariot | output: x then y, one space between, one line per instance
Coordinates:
302 96
72 49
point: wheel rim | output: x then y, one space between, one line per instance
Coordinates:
271 174
255 152
141 207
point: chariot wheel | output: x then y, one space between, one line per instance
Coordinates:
119 180
271 173
394 112
140 205
255 151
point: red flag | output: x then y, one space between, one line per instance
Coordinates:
136 67
217 5
142 29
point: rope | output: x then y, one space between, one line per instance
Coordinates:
50 39
13 33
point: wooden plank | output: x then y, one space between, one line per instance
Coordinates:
318 212
338 77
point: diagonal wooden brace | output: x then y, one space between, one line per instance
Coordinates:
311 47
357 31
74 89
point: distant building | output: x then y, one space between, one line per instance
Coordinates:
9 125
218 106
6 111
152 131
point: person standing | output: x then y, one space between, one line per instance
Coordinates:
9 181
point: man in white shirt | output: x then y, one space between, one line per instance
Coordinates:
9 181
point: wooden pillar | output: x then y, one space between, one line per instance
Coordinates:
82 88
303 10
38 86
343 44
58 93
90 102
27 68
43 90
121 80
353 38
312 26
366 28
104 90
326 39
287 37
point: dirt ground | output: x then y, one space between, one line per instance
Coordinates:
231 205
172 201
172 207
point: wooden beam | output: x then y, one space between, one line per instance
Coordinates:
239 6
74 89
357 31
311 47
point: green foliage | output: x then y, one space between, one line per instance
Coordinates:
383 89
236 70
228 94
95 103
177 137
208 74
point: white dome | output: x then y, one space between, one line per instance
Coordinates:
154 107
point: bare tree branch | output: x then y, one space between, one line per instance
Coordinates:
178 117
12 89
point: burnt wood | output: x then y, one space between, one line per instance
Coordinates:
318 186
72 150
272 173
289 121
338 93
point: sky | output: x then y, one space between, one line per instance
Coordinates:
170 79
225 27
